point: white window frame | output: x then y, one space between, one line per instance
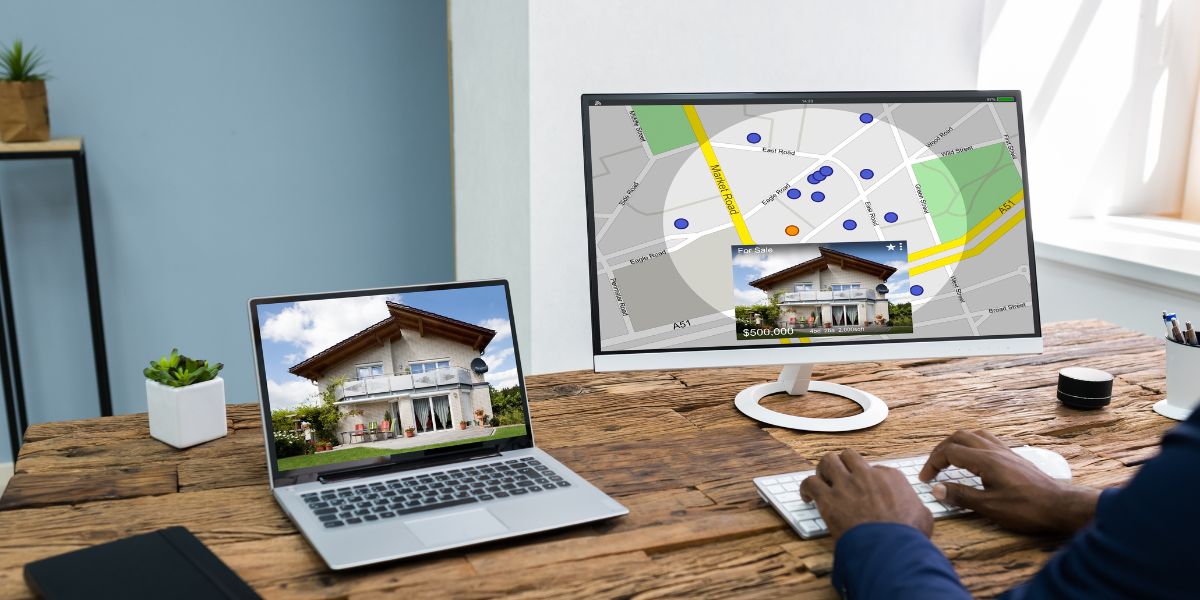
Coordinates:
437 364
370 366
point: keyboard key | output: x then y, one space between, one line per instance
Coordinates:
805 515
353 520
501 494
328 518
519 491
325 511
332 524
436 506
809 527
371 517
486 497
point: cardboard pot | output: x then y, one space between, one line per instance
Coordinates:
24 113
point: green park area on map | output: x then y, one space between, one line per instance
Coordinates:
665 126
965 187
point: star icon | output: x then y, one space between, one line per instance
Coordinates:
891 247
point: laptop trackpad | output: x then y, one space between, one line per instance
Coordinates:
450 529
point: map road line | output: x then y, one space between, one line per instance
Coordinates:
968 236
714 167
975 251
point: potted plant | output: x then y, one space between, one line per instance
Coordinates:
410 432
387 421
462 424
24 115
186 400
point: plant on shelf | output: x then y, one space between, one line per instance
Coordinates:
387 420
24 113
462 424
186 400
177 370
410 432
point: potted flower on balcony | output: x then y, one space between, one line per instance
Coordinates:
462 424
410 432
186 400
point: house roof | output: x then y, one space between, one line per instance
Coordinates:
827 257
400 317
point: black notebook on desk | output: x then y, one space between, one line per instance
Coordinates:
168 563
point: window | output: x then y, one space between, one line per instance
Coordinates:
426 366
839 287
807 286
372 370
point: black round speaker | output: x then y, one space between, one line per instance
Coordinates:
1083 387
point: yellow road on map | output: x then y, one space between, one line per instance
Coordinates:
975 251
970 235
714 167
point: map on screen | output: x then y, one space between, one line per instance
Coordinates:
719 224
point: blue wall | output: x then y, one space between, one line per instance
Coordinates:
235 149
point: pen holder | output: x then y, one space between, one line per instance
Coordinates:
1183 381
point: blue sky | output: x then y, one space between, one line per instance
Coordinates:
294 331
748 267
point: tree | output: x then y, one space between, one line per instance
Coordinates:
900 315
508 405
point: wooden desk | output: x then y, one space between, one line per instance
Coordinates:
669 445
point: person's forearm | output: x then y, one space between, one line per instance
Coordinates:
1078 506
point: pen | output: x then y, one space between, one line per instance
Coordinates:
1189 334
1175 333
1167 317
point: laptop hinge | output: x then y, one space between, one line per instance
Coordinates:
373 470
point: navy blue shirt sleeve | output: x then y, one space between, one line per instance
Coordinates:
1145 539
892 561
1143 543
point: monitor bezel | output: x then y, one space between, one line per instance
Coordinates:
712 356
412 459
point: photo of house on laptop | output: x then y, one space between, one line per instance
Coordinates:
806 290
415 379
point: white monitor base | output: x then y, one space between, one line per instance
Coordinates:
795 380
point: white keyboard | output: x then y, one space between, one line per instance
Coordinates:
782 492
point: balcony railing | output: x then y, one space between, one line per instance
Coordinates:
386 384
829 295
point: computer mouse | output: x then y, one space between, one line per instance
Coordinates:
1047 461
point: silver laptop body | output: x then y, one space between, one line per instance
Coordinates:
437 478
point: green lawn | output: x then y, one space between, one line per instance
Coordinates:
964 188
665 126
349 454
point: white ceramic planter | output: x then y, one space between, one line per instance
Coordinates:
188 415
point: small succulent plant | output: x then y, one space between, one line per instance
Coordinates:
177 370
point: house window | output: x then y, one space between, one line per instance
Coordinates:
845 315
372 370
840 287
804 287
426 366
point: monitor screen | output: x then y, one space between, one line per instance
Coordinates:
725 221
363 377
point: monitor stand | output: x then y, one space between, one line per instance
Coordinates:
796 381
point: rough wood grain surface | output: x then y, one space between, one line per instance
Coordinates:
668 444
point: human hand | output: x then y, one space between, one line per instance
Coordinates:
850 492
1015 494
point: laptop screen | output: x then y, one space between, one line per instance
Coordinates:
379 376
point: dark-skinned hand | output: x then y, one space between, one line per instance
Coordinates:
850 492
1016 495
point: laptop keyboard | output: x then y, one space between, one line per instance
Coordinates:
364 503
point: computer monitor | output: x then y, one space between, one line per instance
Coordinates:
794 228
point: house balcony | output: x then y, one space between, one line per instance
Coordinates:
386 386
829 296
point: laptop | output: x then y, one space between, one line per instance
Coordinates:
397 424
